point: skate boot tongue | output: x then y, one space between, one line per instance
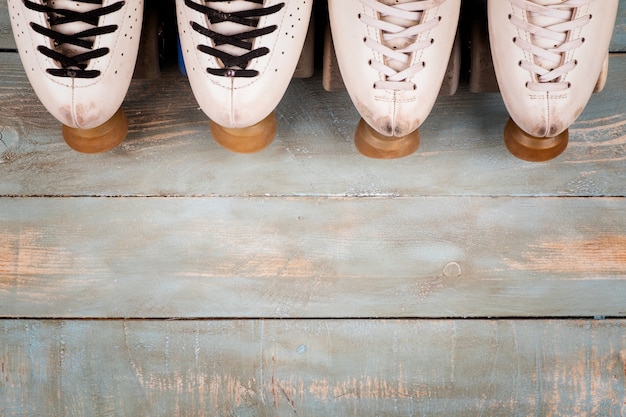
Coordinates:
232 27
72 29
560 15
406 20
404 28
549 25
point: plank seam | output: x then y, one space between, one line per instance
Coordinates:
311 196
295 318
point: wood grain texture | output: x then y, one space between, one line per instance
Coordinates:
206 250
169 150
312 257
6 34
618 44
331 75
312 368
306 62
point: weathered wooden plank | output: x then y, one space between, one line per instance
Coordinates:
6 35
169 150
312 257
618 44
313 368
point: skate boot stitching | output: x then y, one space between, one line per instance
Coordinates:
397 68
74 66
234 65
549 66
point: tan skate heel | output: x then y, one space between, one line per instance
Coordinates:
374 145
98 139
531 148
247 139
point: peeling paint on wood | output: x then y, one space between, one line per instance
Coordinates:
312 257
169 225
312 367
169 150
600 256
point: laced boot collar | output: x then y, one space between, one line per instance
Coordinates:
234 51
73 59
401 25
550 24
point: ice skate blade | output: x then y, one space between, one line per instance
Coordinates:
247 139
98 139
531 148
374 145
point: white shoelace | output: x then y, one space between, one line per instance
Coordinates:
400 25
549 65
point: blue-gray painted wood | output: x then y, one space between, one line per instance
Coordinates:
618 43
312 257
6 35
169 150
169 225
316 368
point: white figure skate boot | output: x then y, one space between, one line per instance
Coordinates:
240 56
548 57
79 56
393 56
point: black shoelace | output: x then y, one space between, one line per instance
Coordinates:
234 65
73 66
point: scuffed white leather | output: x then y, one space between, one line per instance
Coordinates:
391 112
76 102
547 114
237 102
